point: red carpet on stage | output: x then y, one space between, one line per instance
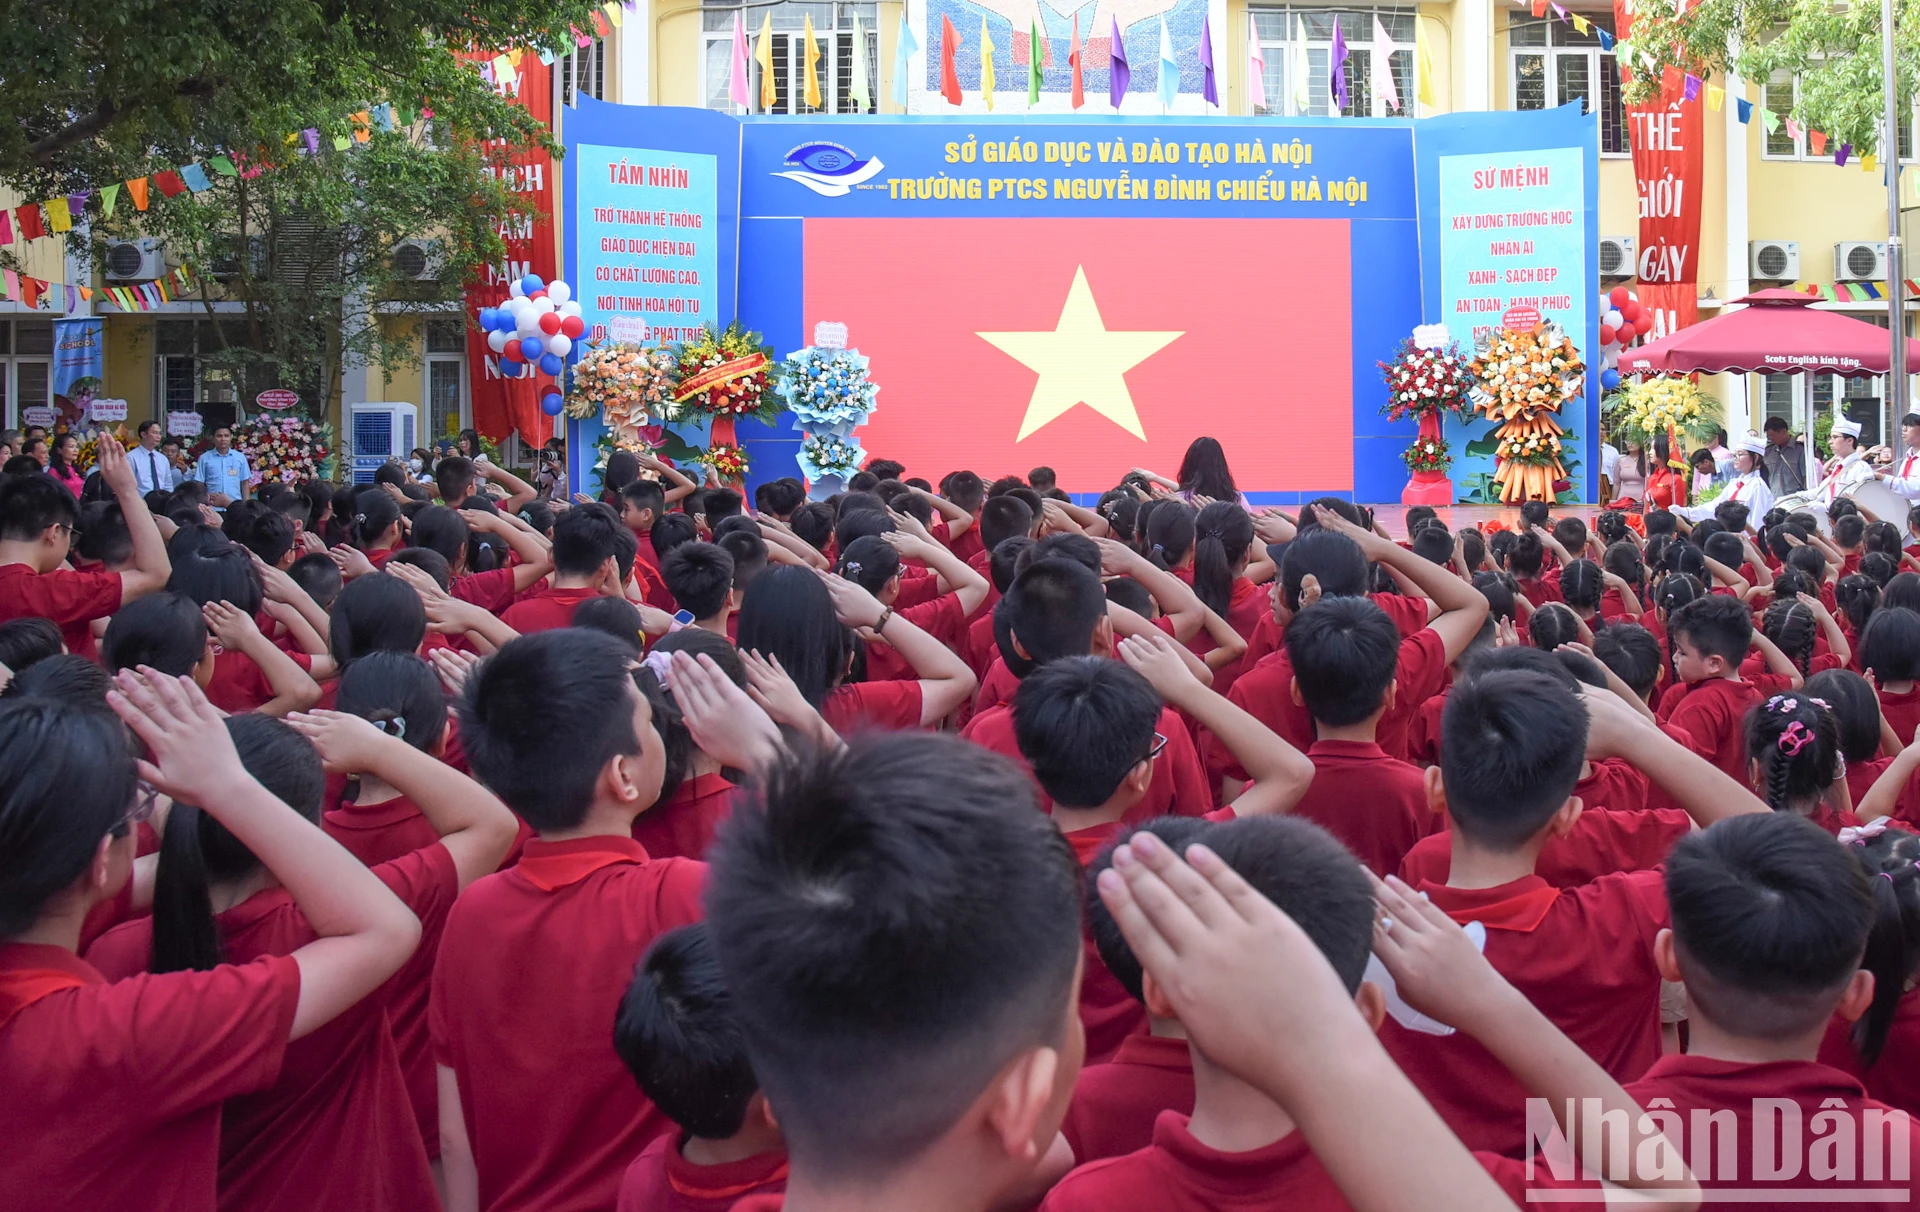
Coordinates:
1097 331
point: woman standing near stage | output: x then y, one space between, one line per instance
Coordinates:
1203 473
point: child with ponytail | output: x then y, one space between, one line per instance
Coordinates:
399 694
1793 759
1882 1048
1796 625
1864 734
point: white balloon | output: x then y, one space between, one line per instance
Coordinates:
1613 319
559 292
544 304
527 324
497 341
559 343
570 308
514 291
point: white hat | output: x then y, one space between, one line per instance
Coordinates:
1846 429
1752 443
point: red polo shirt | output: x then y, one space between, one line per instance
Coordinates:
1176 1173
534 961
940 618
1179 783
1375 805
342 1092
1861 776
661 1180
892 706
1115 1105
70 599
1895 1077
1714 712
1108 1013
683 826
1613 783
915 589
1902 712
548 610
1583 955
113 1091
967 546
491 590
378 833
237 686
1601 842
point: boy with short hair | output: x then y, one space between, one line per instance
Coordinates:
906 993
677 1033
585 547
642 503
700 577
1770 922
1710 637
536 1109
966 492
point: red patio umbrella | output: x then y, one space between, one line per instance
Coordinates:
1780 333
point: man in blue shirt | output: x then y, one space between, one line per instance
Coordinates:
223 470
151 470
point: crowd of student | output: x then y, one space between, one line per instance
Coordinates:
444 843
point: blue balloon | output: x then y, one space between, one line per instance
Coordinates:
486 318
552 403
1609 378
510 367
551 364
531 283
532 347
503 320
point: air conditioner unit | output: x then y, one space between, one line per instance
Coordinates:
1859 261
1773 260
134 260
378 432
1616 257
418 259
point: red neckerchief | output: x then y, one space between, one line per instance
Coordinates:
1521 912
551 866
21 987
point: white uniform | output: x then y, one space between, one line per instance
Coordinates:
1750 490
1852 472
1904 476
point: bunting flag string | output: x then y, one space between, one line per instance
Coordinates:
31 291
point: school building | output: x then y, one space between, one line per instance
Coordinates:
1775 213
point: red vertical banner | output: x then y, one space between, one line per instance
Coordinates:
501 405
1668 138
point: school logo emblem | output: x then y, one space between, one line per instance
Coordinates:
829 169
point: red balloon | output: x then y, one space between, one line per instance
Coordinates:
550 323
1632 312
1607 334
538 294
1625 334
573 326
1619 296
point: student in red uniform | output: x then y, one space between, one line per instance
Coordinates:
584 565
547 1117
1890 652
1793 753
964 492
873 563
1525 561
1881 1047
642 503
1512 747
677 1033
1116 1102
1344 653
379 530
1862 731
450 532
399 694
1710 640
344 1092
907 994
806 621
37 517
700 577
1770 920
695 793
137 1071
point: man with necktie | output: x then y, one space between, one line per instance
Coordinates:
150 467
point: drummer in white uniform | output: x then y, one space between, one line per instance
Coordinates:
1749 486
1847 469
1903 475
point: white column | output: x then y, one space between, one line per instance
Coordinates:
1737 237
635 43
1475 85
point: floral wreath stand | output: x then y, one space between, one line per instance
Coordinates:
1428 487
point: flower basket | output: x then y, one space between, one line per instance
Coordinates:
1523 379
625 386
725 375
289 449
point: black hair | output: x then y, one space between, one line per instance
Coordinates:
1858 597
1527 555
869 562
1631 652
1733 515
722 503
1849 530
1770 920
1434 545
669 530
1083 723
1344 652
66 678
1473 547
738 522
217 574
374 513
398 693
1716 625
622 469
646 494
696 641
66 781
378 612
1724 548
1552 625
965 489
1612 527
1222 534
1890 645
1204 471
812 524
454 477
102 534
1003 562
542 717
31 503
1309 876
1052 609
1902 591
779 497
1883 536
616 617
319 576
26 640
677 1033
1659 521
1418 516
787 614
1178 832
197 851
1796 743
749 553
1581 585
891 940
1170 533
1512 744
1879 567
1893 945
1003 518
442 529
700 577
1499 589
1534 513
426 560
584 539
886 469
1809 560
539 515
1571 533
393 472
1125 591
1119 507
1623 560
1856 711
1792 627
164 630
1332 559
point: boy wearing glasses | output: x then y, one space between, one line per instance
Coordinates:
37 517
1087 726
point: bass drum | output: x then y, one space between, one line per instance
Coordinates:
1805 500
1881 503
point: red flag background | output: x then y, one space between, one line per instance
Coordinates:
502 405
1265 362
1668 139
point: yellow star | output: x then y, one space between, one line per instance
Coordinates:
1080 362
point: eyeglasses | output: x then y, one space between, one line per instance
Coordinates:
146 797
1159 743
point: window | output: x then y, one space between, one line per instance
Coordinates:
833 35
584 73
1779 97
182 382
1285 30
446 377
1554 64
26 367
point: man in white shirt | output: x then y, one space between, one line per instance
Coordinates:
150 467
1903 476
1749 486
1848 468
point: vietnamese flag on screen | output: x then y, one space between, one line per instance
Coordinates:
1096 345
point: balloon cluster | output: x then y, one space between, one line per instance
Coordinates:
536 331
1622 321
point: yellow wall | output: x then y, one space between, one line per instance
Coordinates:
129 364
